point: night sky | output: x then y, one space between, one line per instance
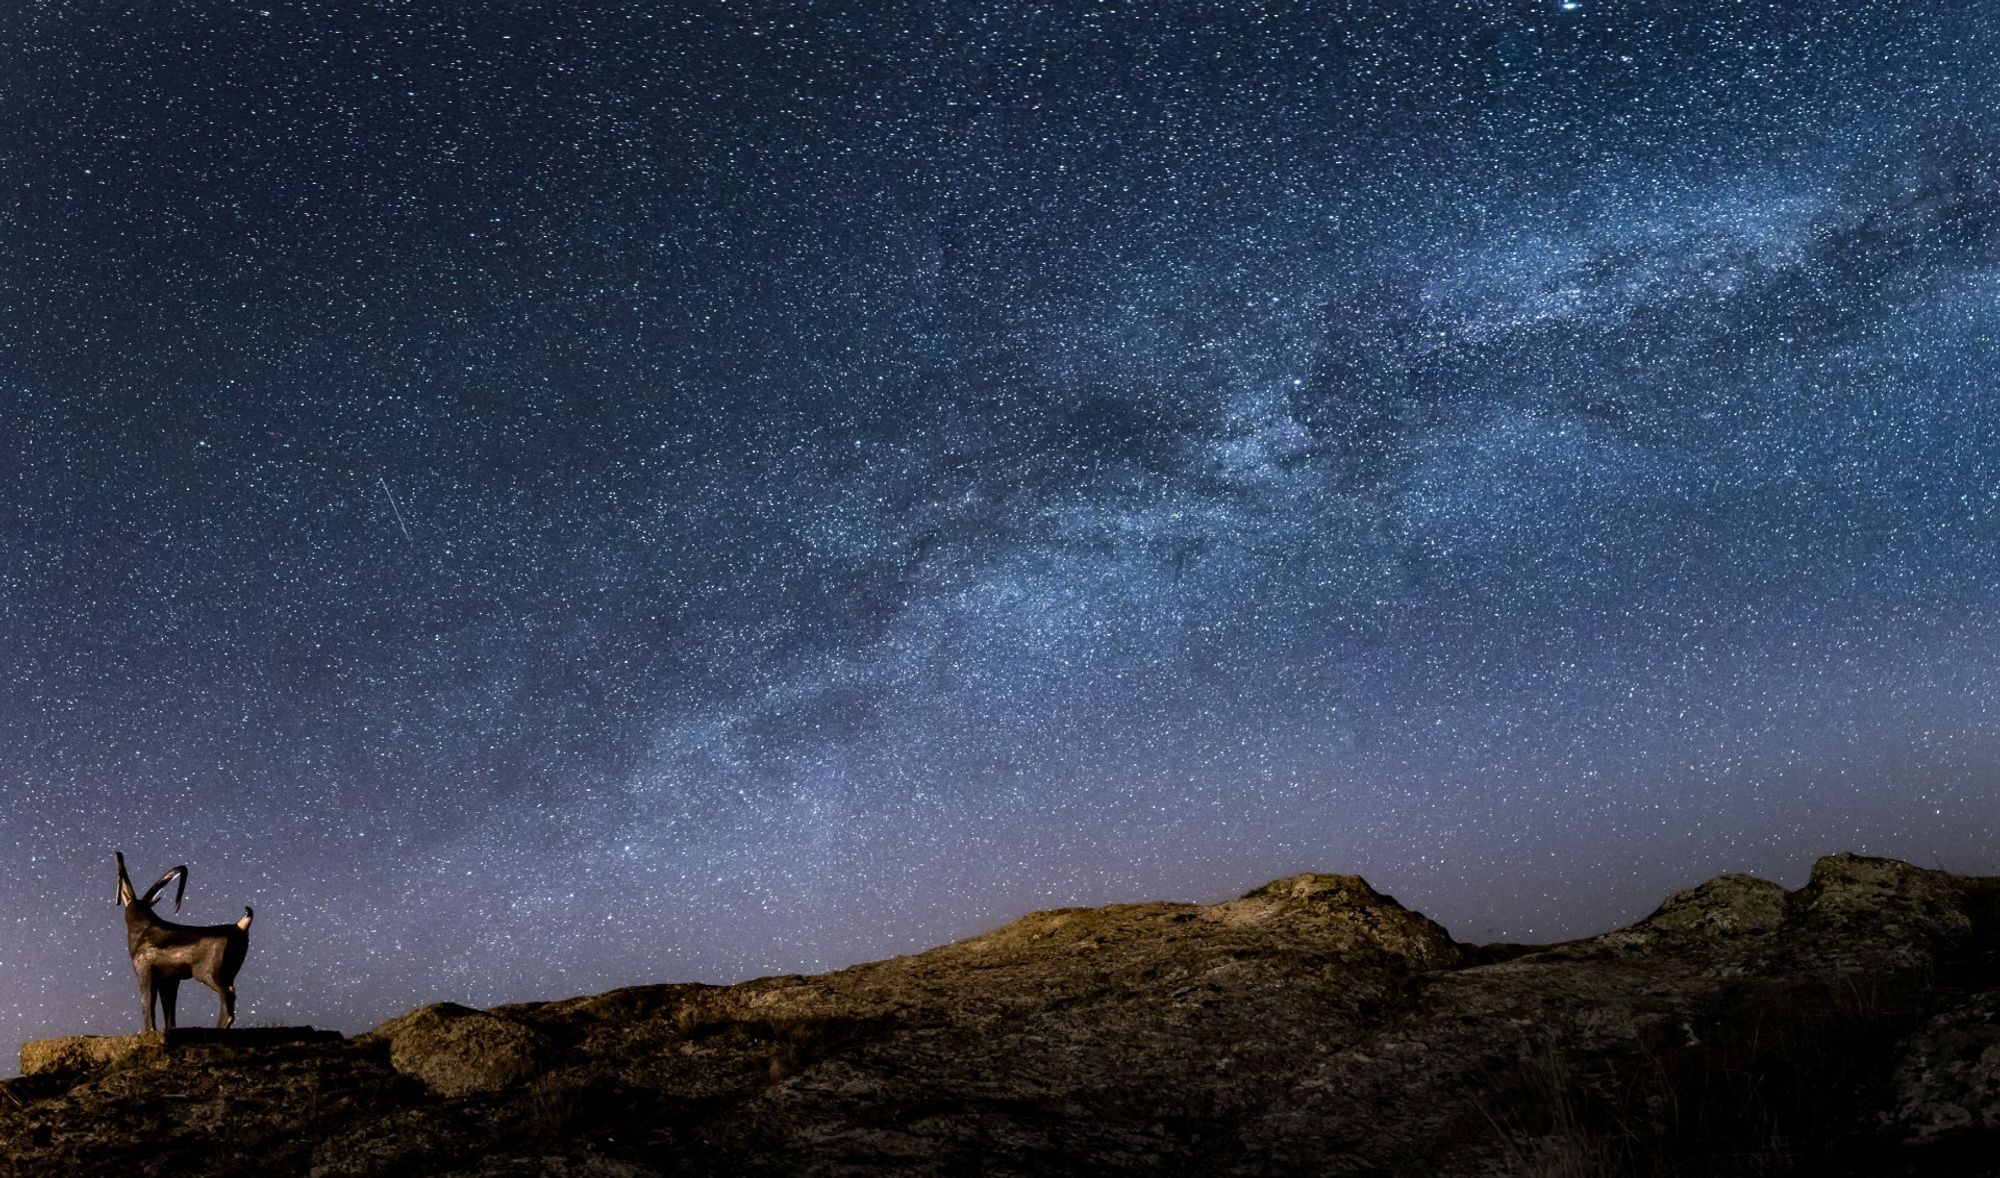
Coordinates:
540 496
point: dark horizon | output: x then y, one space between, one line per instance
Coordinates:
574 494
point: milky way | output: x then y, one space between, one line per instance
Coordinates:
544 496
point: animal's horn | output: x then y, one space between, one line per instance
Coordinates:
152 893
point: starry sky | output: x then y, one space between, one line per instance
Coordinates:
544 495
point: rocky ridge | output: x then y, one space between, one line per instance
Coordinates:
1311 1026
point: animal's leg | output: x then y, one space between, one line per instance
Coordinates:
146 996
170 989
228 1007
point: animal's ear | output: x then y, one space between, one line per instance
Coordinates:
124 881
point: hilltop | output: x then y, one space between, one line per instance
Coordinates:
1311 1026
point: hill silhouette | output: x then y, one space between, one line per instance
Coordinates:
1311 1026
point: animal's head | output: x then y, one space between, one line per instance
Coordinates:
152 896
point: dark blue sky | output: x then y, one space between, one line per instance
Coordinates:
545 496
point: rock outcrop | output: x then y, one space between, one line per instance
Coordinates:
455 1050
1311 1026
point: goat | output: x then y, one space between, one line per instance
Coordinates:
163 953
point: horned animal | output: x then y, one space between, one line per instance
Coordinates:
163 953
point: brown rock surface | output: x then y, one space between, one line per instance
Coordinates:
1312 1026
1946 1085
86 1053
456 1050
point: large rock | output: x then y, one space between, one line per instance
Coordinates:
88 1053
1724 909
80 1054
1946 1083
1345 910
1883 910
457 1051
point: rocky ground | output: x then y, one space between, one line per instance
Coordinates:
1312 1027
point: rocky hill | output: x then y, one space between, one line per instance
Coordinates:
1314 1026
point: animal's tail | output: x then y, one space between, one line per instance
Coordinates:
248 916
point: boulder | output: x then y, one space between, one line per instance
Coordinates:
1857 911
80 1054
1726 907
1718 918
1946 1082
457 1051
88 1053
1346 911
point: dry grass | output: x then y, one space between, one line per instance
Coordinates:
552 1103
1775 1086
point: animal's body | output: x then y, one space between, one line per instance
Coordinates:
164 953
